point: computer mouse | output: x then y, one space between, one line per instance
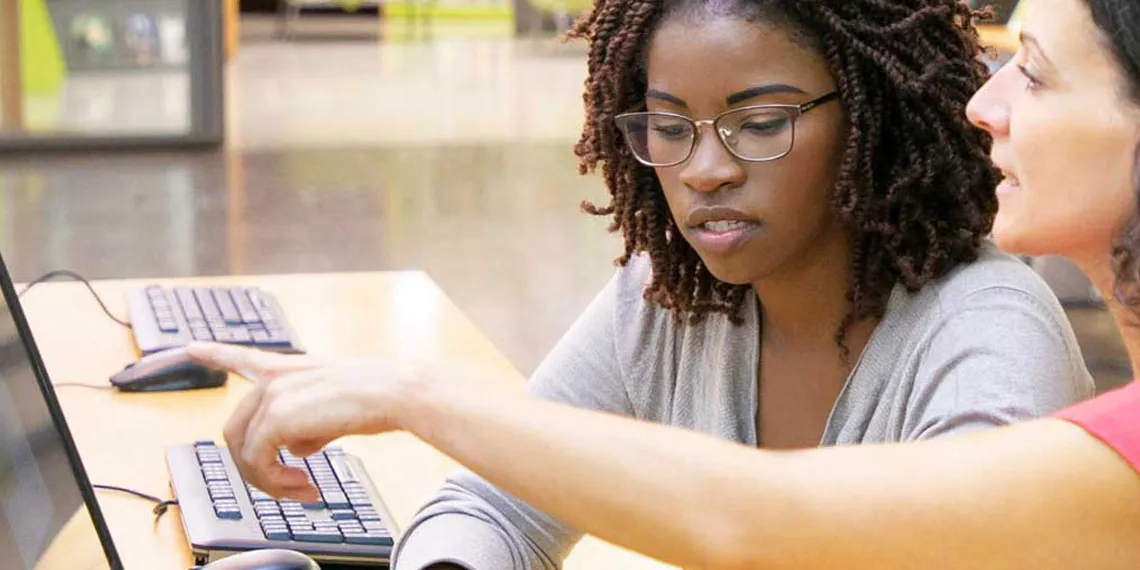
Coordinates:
167 371
268 559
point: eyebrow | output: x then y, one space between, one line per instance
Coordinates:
733 99
1031 42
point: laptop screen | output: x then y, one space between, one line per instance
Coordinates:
44 521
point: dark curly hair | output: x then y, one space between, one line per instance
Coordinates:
1119 21
915 189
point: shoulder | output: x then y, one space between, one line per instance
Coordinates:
1111 418
994 275
640 325
639 318
660 353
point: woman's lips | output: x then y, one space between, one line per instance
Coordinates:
723 236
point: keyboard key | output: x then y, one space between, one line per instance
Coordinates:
350 526
202 334
245 307
226 304
206 302
240 336
316 536
257 495
337 501
216 477
278 534
189 304
318 504
368 538
344 472
318 461
228 513
265 511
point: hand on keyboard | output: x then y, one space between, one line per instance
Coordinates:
302 405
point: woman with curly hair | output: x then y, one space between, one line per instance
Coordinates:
805 209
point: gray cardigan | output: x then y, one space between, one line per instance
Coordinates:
985 346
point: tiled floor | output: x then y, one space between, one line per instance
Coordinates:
451 155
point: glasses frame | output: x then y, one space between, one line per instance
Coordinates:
794 112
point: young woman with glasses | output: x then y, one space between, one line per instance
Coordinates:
805 208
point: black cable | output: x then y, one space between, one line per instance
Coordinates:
160 507
73 275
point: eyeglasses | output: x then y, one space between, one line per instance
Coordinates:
759 133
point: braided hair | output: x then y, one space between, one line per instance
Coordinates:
915 188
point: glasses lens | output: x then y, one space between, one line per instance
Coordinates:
657 139
758 134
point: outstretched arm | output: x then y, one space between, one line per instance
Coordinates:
1039 495
1042 495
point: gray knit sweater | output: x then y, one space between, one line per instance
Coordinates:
987 345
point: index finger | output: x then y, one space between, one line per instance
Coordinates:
244 361
252 363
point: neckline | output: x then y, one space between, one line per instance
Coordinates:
758 326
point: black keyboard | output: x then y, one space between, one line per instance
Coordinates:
164 318
348 524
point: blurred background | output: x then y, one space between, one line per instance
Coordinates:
158 138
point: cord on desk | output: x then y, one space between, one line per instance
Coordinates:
82 385
161 505
77 277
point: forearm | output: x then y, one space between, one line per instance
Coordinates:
1041 496
553 457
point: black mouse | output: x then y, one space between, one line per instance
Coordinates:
167 371
268 559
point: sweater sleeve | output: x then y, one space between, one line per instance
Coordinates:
1114 419
474 525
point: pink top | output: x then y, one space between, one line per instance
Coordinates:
1113 418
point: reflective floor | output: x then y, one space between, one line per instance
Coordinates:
453 156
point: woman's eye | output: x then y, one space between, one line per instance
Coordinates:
1032 83
764 127
671 131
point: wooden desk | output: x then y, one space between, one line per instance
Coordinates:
121 437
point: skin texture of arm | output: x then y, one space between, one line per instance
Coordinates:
1040 495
